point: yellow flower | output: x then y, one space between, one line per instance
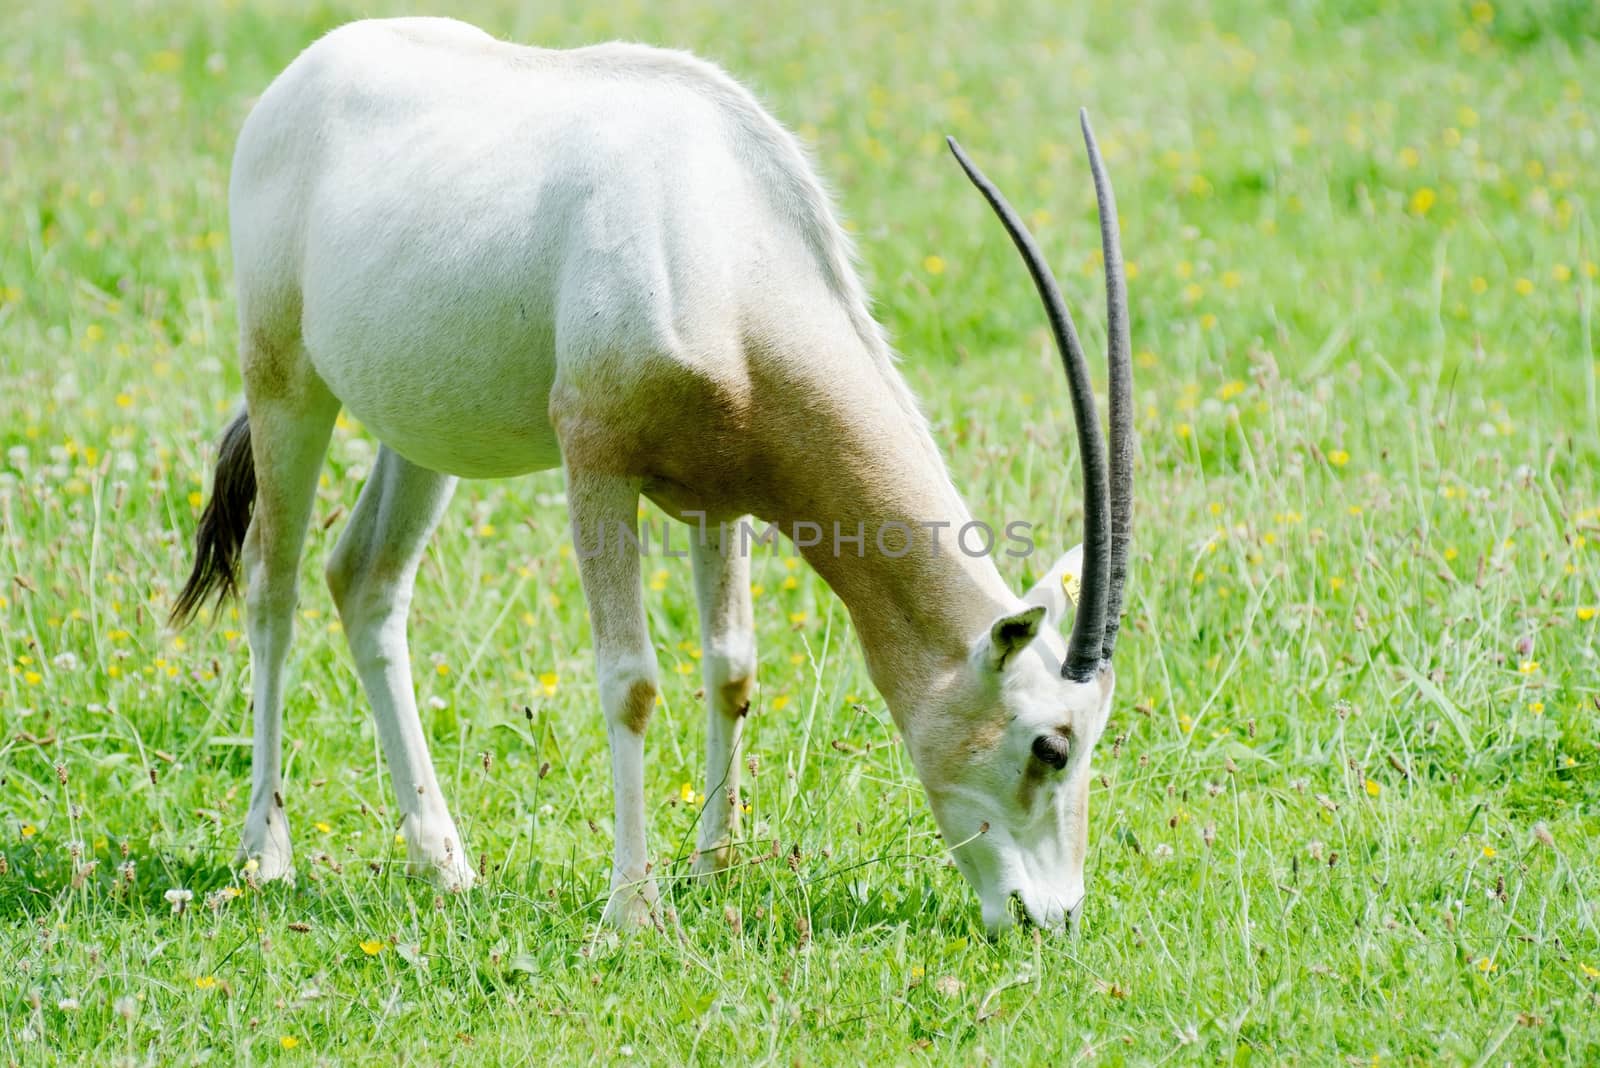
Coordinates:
686 793
323 827
1487 965
33 678
1528 667
933 265
1422 201
1561 272
1208 321
1585 614
1524 286
790 582
548 681
288 1042
1479 284
1374 788
372 947
1184 430
1193 292
1450 553
780 702
1536 707
205 982
1590 970
1338 457
124 400
29 830
1489 852
1231 279
797 618
683 667
442 668
1483 12
1336 583
797 659
1409 157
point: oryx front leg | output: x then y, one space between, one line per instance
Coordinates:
371 574
603 506
728 651
288 435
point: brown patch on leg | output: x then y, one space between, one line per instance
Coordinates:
638 704
735 696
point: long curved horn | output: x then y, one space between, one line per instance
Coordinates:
1088 629
1119 359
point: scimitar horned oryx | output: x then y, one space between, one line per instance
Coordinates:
612 260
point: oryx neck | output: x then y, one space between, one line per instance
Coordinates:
917 609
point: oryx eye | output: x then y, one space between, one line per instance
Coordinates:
1053 749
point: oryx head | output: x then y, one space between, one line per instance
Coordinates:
1006 763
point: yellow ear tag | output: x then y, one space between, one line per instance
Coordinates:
1069 583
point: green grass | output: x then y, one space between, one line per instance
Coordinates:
1351 806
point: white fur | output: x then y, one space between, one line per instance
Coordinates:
505 259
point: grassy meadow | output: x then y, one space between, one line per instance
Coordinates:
1348 810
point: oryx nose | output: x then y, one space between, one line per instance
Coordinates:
1075 916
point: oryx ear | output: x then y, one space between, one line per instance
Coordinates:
1057 591
1011 634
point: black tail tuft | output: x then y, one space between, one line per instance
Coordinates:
220 535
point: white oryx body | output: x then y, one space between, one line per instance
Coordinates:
504 259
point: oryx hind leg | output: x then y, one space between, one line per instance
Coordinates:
728 654
291 415
371 575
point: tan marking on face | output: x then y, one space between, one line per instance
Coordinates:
1080 829
956 744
